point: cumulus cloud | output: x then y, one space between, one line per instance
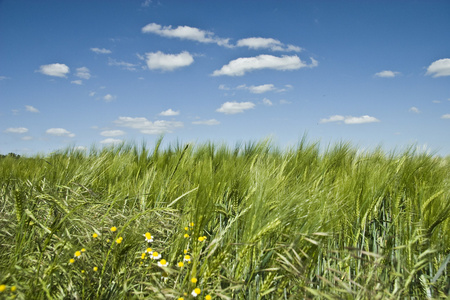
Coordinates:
387 74
59 132
439 68
169 112
147 127
31 109
83 73
266 43
101 51
122 64
446 116
112 133
185 33
414 110
111 141
168 62
210 122
235 107
240 66
350 119
57 70
19 130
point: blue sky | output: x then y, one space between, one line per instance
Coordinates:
83 73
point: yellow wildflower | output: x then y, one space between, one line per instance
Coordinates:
196 292
194 280
187 258
148 237
208 297
181 264
95 269
163 263
156 255
13 288
114 228
2 288
72 260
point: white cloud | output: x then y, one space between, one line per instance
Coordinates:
57 70
146 3
266 43
19 130
3 78
210 122
446 116
111 141
122 64
258 89
240 66
112 133
101 51
92 94
439 68
109 97
168 62
224 87
81 148
387 74
147 127
169 112
186 33
27 138
334 118
267 102
414 110
83 72
235 107
78 82
350 119
31 109
283 101
59 132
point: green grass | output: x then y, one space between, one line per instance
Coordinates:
279 224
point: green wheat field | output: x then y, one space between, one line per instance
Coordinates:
213 221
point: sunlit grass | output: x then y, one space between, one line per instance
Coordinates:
213 222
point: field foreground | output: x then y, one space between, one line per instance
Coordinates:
213 222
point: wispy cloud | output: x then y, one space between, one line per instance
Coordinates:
266 43
3 78
146 3
446 116
122 64
78 82
168 62
109 98
235 107
169 112
59 132
57 70
350 119
19 130
147 127
83 73
439 68
267 102
31 109
101 50
240 66
210 122
112 133
186 33
414 109
387 74
258 89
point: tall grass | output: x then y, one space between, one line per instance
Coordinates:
279 224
